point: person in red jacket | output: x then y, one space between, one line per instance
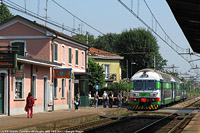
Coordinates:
29 104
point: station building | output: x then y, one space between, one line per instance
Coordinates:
42 53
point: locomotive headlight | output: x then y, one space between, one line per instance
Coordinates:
135 99
153 100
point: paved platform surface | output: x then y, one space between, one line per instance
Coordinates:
21 121
194 125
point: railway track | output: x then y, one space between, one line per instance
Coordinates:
179 122
136 121
151 121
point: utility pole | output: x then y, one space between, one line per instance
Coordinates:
127 74
172 67
46 12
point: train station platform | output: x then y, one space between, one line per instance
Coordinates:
54 120
193 126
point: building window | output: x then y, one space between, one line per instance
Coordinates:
63 54
20 46
55 52
63 88
107 71
19 82
55 87
83 58
76 51
18 89
34 86
70 55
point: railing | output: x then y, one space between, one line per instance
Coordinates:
111 76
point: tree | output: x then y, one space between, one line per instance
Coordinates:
82 38
106 42
97 75
4 13
138 40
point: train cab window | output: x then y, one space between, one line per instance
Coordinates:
150 85
138 85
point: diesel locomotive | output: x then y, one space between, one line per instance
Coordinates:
151 89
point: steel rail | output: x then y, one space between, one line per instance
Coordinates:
177 125
148 126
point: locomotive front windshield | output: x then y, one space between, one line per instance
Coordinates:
144 85
138 85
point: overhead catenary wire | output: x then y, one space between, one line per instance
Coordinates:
21 9
164 40
78 17
173 43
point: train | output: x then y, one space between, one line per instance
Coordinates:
151 89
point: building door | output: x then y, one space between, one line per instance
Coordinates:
2 77
45 94
70 94
162 93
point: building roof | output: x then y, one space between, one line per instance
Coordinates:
100 54
37 61
187 14
46 28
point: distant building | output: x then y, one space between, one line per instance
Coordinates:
110 63
41 52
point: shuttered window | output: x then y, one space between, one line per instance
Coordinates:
55 53
76 56
70 55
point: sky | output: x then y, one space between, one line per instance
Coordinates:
109 16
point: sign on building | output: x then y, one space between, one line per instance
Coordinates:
62 72
8 60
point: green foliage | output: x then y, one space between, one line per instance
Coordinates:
107 42
126 44
142 41
96 71
116 87
4 13
82 38
129 42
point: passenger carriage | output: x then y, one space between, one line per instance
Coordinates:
151 89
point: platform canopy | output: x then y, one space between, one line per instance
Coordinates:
187 14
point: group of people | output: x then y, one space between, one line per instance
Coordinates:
107 99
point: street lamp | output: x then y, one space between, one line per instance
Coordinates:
133 63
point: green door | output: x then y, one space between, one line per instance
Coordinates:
1 93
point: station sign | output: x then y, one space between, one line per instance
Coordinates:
96 87
19 72
62 72
8 61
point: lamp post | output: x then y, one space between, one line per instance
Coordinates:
133 63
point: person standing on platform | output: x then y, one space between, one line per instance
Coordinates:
96 97
29 104
111 99
89 97
78 101
105 98
119 97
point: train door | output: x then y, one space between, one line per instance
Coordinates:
172 91
2 93
45 94
162 93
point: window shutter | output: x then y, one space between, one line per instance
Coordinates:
76 57
55 52
70 55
